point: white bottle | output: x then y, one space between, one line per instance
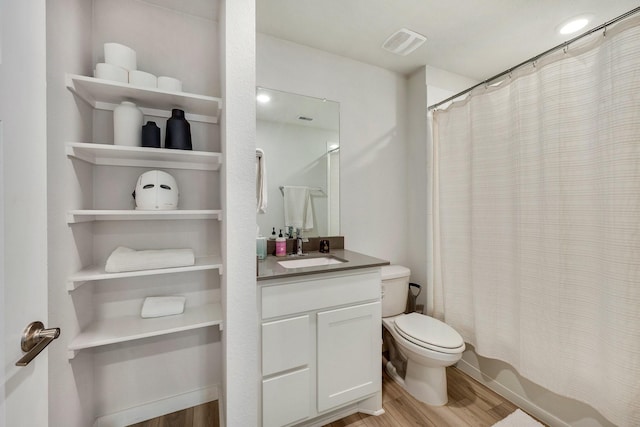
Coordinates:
127 125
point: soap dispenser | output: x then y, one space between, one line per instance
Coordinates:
281 245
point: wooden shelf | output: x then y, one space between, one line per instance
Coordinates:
129 328
117 155
88 215
106 95
96 272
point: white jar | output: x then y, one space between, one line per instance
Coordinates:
127 125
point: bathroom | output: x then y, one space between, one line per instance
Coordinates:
375 136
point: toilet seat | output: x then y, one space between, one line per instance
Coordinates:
429 333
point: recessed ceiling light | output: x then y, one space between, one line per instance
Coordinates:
263 98
574 25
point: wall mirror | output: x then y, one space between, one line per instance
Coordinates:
298 138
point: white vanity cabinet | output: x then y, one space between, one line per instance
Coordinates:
320 346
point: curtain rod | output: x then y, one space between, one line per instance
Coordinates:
535 58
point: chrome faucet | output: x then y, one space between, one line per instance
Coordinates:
299 241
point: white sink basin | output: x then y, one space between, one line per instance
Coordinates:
310 262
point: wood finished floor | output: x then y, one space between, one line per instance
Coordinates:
205 415
470 404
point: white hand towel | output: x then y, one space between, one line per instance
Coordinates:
298 212
261 182
162 306
127 259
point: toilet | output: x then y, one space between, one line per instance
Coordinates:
427 344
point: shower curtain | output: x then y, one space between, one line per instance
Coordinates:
537 221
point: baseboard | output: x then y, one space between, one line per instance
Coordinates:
369 406
374 413
519 400
325 419
158 408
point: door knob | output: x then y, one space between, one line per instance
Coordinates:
34 339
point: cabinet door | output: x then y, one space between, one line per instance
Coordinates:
349 346
285 399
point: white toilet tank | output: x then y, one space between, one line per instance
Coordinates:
395 288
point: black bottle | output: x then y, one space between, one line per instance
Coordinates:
178 133
151 135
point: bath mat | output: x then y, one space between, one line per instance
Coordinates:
518 419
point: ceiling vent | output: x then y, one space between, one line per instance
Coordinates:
403 42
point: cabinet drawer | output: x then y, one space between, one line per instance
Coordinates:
285 344
319 291
285 399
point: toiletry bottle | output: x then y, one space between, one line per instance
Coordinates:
273 234
281 245
261 247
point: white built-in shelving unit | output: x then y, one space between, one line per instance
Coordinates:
128 328
113 155
97 272
106 95
86 215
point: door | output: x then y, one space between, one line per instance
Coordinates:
349 342
23 217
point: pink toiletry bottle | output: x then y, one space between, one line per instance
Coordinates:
281 245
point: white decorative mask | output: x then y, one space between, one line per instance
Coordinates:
156 190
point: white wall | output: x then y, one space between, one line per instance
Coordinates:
167 43
71 385
549 407
240 335
182 46
417 237
373 142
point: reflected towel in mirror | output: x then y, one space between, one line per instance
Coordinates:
261 182
298 212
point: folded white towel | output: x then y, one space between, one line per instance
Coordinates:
298 212
261 182
127 259
162 306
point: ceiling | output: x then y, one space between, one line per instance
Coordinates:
472 38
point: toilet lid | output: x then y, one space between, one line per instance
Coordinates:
428 332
